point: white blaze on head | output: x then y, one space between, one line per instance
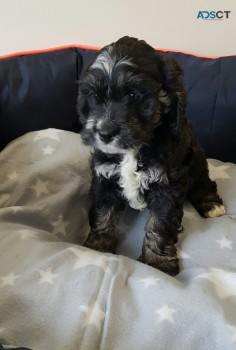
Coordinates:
106 63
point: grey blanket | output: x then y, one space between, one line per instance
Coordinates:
56 294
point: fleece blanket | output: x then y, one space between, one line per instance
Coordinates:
57 294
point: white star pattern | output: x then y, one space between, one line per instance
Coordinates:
166 313
149 281
233 331
218 172
9 280
94 315
40 187
90 257
13 176
48 133
26 233
223 281
47 276
225 243
59 226
48 151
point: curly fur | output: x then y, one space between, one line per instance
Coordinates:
131 104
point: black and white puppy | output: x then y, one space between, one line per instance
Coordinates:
131 104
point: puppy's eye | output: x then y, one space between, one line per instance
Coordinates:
88 92
85 91
135 97
96 96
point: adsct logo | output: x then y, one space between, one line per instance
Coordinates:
213 15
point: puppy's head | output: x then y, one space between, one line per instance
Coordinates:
127 92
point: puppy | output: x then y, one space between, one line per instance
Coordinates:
131 104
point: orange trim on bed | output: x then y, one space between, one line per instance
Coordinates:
87 47
52 49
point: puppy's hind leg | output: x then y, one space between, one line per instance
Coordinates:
204 197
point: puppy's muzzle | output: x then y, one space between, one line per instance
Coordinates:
107 131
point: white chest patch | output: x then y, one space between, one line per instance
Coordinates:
132 181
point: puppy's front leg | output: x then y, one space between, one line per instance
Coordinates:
103 215
166 210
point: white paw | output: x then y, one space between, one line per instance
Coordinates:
217 210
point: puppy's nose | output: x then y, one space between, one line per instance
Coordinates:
108 132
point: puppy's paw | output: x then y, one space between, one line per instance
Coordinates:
168 263
104 245
210 206
215 211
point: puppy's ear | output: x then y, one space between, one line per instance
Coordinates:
172 95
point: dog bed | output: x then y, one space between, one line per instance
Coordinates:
57 294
